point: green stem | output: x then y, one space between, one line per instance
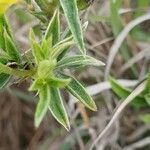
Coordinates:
16 72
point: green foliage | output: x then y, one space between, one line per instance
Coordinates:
71 12
11 48
42 107
57 109
123 92
48 58
78 91
4 79
78 61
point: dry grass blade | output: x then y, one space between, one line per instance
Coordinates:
119 110
134 59
142 143
120 39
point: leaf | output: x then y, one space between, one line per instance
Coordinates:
52 81
82 4
4 25
58 82
122 92
46 47
146 92
77 61
43 104
67 33
36 49
60 47
36 85
57 109
78 91
53 28
71 12
147 87
4 79
11 48
2 41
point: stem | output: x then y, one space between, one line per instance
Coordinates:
16 72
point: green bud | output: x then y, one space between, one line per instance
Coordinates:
45 68
83 4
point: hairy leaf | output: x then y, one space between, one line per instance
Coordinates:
43 104
60 47
71 12
57 109
54 28
78 91
36 49
77 61
58 82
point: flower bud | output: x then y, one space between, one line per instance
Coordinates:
83 4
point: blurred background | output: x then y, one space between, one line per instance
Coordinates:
131 131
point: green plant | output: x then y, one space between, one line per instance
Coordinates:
49 58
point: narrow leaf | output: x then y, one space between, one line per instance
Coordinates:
36 85
4 79
54 28
11 48
122 92
2 41
59 48
78 91
42 105
77 61
71 12
57 108
36 49
58 82
46 47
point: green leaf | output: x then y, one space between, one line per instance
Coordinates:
78 91
4 25
57 109
146 92
4 79
82 4
47 47
11 48
36 84
43 104
71 12
36 49
52 81
61 46
77 61
58 82
122 92
54 28
147 87
67 33
2 41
